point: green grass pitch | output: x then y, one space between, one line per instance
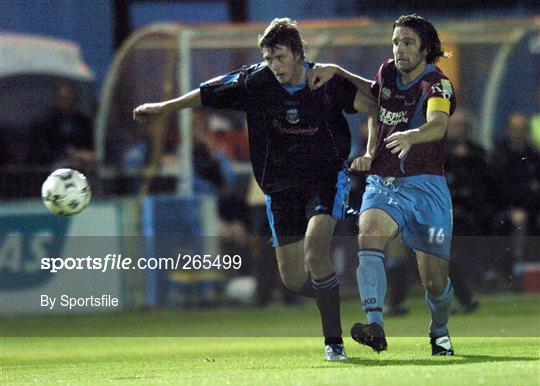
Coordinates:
498 345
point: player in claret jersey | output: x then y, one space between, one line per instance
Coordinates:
299 142
406 190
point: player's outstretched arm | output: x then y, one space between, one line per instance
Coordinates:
433 130
322 73
147 110
363 163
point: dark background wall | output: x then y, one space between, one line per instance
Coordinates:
99 26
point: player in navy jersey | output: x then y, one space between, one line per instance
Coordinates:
299 142
406 190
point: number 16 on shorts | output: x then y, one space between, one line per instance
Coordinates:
436 235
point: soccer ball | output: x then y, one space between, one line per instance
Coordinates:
66 192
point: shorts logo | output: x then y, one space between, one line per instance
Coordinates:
386 93
293 116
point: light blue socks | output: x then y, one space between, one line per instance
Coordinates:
372 285
440 310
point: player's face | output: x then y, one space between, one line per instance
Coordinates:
287 67
410 60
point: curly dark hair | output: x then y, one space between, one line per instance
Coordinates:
427 33
283 32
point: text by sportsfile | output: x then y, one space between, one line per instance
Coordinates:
70 302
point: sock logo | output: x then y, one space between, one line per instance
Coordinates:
369 301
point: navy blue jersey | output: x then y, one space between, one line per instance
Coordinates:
293 138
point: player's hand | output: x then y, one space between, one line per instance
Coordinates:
399 142
320 74
361 164
148 110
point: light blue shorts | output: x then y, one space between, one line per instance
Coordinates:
421 206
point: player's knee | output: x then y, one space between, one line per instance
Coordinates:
292 281
293 285
372 238
435 287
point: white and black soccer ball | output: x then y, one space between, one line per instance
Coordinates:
66 192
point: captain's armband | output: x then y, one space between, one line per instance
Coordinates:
438 104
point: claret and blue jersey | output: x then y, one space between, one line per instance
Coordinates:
403 107
296 135
413 190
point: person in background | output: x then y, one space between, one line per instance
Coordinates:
65 137
471 183
517 164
